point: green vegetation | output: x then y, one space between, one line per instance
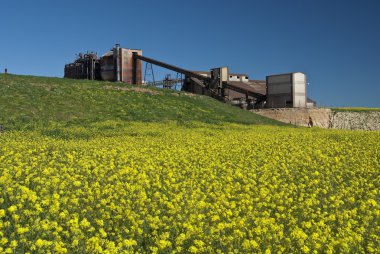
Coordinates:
358 109
29 103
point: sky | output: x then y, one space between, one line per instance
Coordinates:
336 43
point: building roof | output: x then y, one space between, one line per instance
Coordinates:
285 74
255 86
230 74
237 74
259 85
109 53
202 72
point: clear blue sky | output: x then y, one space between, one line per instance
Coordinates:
336 43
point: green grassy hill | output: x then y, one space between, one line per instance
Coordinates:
29 102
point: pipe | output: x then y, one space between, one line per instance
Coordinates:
116 62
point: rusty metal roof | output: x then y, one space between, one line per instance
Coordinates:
259 85
202 72
229 74
254 86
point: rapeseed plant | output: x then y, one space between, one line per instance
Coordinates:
206 189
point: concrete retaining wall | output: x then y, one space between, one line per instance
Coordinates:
325 118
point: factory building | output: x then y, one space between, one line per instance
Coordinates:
241 85
124 65
287 91
279 91
115 65
86 66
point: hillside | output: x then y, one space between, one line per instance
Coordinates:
92 167
29 102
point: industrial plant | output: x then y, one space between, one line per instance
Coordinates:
125 65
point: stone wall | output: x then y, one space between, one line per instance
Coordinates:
324 118
356 120
300 117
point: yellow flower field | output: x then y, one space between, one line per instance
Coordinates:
165 188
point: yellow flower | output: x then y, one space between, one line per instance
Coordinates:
39 243
162 244
22 230
129 242
12 209
13 244
102 233
193 249
85 223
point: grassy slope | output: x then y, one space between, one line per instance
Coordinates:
28 102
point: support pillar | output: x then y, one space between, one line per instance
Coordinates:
134 68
